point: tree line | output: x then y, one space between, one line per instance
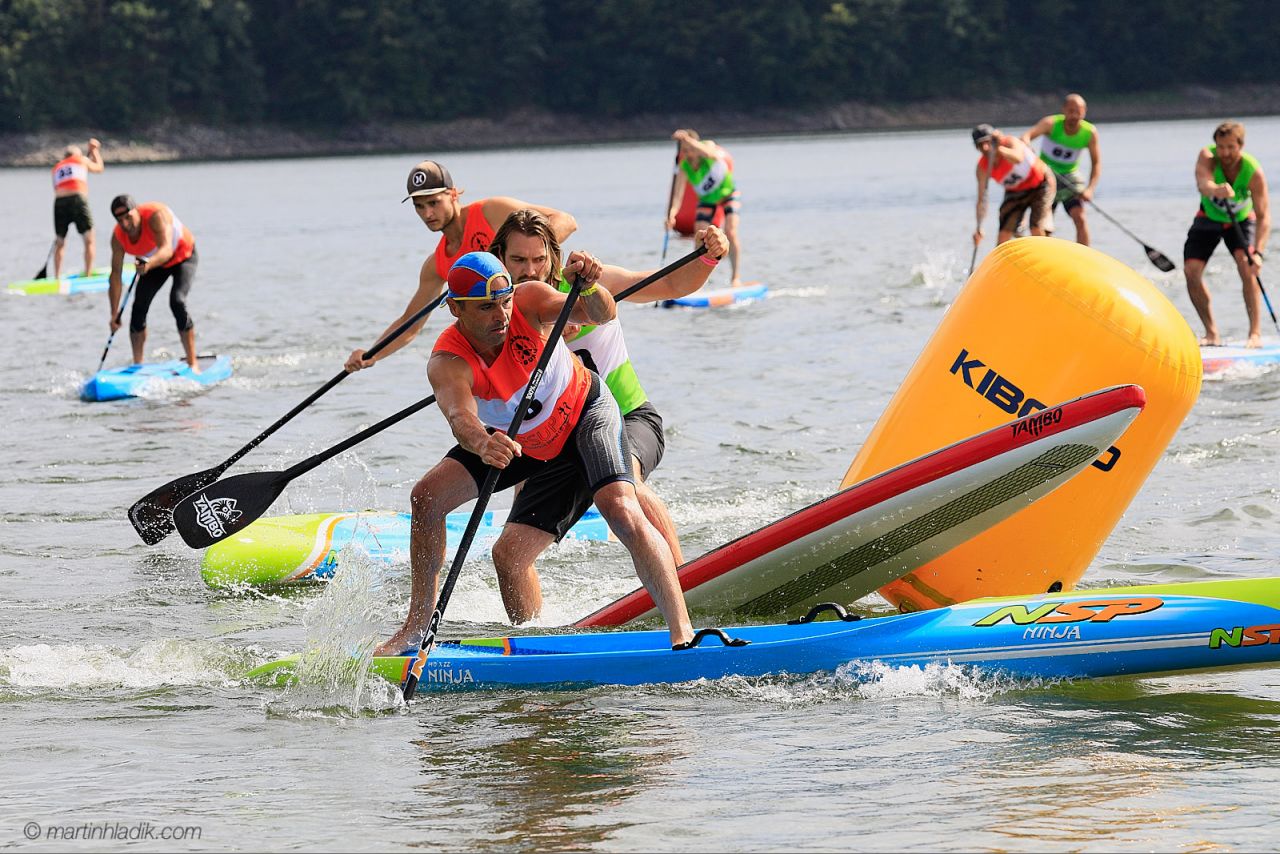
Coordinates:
117 64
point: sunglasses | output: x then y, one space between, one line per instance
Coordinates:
119 215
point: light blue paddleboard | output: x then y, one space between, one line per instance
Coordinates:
128 381
1218 359
78 283
721 297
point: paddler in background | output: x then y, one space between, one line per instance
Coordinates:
1225 174
462 230
549 503
708 168
479 368
164 248
71 201
1065 136
1028 183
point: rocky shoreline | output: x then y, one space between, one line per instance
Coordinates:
176 141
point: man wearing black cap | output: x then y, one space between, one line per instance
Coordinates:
462 230
164 248
1028 183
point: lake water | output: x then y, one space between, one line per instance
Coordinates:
120 684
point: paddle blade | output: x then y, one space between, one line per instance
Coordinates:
152 514
44 272
212 514
1160 260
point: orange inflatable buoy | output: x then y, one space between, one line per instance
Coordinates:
1040 322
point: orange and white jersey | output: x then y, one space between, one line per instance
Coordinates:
182 241
71 175
499 388
1027 173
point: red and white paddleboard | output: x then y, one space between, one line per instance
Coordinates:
846 546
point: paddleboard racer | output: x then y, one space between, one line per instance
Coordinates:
479 370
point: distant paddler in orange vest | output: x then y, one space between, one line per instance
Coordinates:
1065 136
1028 183
479 370
1228 178
708 168
164 248
462 230
71 201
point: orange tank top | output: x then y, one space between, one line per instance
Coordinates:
1026 173
499 388
184 242
70 173
477 234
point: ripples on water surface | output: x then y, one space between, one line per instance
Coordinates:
119 670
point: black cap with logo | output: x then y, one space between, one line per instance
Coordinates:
122 203
427 179
982 133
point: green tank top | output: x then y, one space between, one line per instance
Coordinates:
1216 209
1060 149
712 181
608 350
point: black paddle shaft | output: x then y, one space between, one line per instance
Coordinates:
119 314
210 515
1158 258
1231 214
486 491
653 277
152 515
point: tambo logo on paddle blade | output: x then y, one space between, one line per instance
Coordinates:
214 514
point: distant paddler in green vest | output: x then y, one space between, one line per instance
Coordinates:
708 168
1066 136
1227 176
551 501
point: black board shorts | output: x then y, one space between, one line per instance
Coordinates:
68 210
1038 200
1204 234
554 499
596 452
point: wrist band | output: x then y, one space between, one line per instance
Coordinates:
586 292
709 261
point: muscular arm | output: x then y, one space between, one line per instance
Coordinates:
542 304
162 232
1040 128
114 283
982 196
705 148
676 284
498 208
451 380
429 287
1261 207
1095 162
1204 177
94 159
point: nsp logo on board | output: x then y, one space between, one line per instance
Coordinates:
1080 611
1008 397
1245 636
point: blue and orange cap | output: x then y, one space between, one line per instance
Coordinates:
479 276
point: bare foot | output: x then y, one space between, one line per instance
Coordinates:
1254 341
736 283
1210 341
400 642
194 366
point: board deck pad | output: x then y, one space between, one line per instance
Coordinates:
850 544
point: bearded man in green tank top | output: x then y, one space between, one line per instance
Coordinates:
708 168
550 502
1066 136
1227 176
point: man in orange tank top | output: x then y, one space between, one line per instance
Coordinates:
71 201
461 229
478 371
164 248
1028 183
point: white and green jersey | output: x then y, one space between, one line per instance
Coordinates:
608 350
1062 150
1242 204
712 181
